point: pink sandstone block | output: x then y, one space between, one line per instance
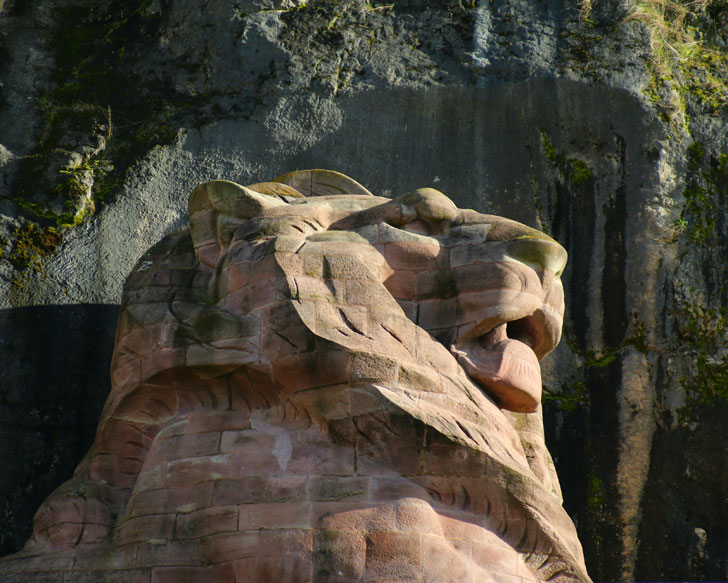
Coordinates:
446 561
393 556
223 573
249 463
259 489
420 378
332 402
151 478
210 421
129 467
238 275
38 577
124 438
294 540
485 276
414 255
149 404
191 471
338 488
103 558
414 515
402 284
173 427
247 440
394 488
364 399
246 569
348 515
206 521
184 446
409 308
466 527
290 262
229 546
494 557
170 553
208 254
38 560
145 528
84 533
290 567
107 576
339 555
437 460
360 293
160 359
285 555
128 372
178 500
434 283
436 355
399 435
348 266
524 571
366 367
311 369
311 458
506 578
274 515
72 509
438 313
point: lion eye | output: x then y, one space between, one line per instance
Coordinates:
418 226
426 227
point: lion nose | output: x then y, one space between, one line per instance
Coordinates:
539 253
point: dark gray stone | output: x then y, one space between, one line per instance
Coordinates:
55 362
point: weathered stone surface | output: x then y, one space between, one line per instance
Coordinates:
533 110
193 478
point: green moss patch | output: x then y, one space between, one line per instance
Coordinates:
706 196
31 243
101 117
575 170
706 336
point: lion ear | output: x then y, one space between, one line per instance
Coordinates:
316 182
216 208
283 191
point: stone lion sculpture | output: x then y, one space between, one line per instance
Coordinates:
315 384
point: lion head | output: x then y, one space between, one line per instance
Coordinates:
373 319
486 287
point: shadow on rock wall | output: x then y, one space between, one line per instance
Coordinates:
688 465
55 363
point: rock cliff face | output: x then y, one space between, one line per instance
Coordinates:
575 119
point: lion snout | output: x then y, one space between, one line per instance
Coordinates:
540 254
